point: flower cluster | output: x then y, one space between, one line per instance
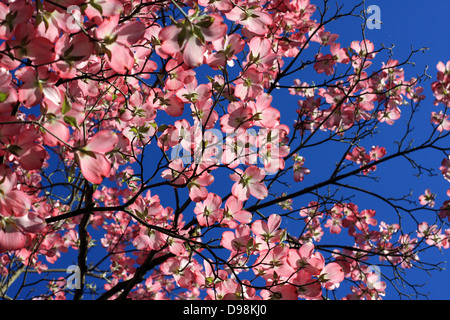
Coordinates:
151 133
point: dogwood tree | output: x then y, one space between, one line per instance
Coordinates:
160 149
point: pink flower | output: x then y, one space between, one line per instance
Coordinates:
11 237
280 292
445 168
72 52
376 286
427 199
168 102
323 37
249 183
238 241
189 37
264 115
197 190
376 153
249 85
253 19
30 154
358 155
177 173
28 44
237 119
441 120
221 5
182 270
339 54
391 113
331 276
307 286
92 159
37 84
209 212
13 202
15 231
334 223
13 15
149 240
443 71
305 259
324 64
272 263
299 170
97 9
261 53
226 50
363 48
233 212
204 112
116 42
192 91
271 149
177 75
269 231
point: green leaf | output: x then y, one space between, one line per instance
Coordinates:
75 58
154 125
3 96
71 121
67 105
96 6
71 173
46 23
110 40
162 127
39 19
106 51
199 34
181 37
88 152
134 129
205 22
143 129
68 51
14 149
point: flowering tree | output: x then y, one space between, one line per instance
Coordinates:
148 140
